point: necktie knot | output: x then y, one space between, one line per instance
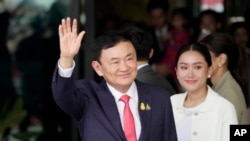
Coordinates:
125 98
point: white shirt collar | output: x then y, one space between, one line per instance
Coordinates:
161 32
132 92
141 66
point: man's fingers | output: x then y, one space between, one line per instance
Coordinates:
63 26
80 36
74 26
68 24
60 31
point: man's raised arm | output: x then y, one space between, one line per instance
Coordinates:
70 42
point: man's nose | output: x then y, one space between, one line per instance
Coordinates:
123 66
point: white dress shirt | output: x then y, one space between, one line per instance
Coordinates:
133 101
133 104
160 33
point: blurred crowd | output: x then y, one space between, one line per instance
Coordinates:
28 52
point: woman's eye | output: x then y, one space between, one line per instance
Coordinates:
183 68
198 67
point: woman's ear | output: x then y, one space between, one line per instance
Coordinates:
97 67
210 71
222 59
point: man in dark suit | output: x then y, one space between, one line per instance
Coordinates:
158 20
96 106
143 42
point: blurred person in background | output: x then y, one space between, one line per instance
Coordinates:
56 123
143 41
29 62
177 36
209 21
158 26
240 34
8 94
35 44
225 77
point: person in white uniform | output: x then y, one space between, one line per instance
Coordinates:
200 113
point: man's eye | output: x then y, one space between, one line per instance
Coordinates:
130 58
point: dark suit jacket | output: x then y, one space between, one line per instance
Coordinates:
158 52
147 75
93 107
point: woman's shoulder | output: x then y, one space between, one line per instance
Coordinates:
219 99
178 97
225 108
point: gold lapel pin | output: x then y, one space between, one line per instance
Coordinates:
142 106
148 107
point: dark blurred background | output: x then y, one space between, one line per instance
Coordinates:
29 49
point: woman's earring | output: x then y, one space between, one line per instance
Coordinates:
209 76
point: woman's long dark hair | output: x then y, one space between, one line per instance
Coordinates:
238 63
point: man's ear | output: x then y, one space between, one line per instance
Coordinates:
97 67
151 53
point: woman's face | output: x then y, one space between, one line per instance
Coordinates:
192 71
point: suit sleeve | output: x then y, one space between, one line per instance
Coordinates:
68 96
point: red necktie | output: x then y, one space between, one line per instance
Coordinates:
128 120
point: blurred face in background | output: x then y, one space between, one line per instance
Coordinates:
178 21
241 36
157 18
209 23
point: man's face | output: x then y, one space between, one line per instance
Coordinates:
118 65
157 18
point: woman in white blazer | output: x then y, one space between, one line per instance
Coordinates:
200 113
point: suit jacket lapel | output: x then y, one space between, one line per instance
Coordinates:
144 107
110 109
